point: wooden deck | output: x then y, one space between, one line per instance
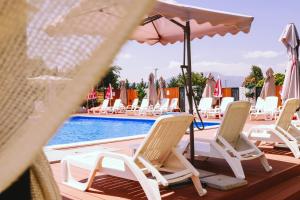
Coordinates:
282 183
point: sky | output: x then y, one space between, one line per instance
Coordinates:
232 55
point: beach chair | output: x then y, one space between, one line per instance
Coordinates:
103 108
144 107
157 153
134 105
205 105
173 105
162 107
259 105
118 107
269 109
229 142
219 111
283 131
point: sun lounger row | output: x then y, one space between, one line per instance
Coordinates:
205 107
104 108
266 108
145 109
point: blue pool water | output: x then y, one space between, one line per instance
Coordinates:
79 129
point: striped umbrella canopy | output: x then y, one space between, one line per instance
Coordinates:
218 88
152 95
269 85
291 85
161 91
209 87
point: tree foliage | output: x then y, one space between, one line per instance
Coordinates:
112 77
197 80
254 77
279 79
141 92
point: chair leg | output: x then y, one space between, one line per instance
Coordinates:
236 167
197 184
265 163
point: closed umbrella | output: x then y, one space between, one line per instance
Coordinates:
291 87
162 86
123 93
152 95
209 87
269 85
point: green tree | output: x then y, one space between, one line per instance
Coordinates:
141 92
133 85
112 77
127 85
279 79
254 77
173 82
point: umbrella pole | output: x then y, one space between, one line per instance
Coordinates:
187 32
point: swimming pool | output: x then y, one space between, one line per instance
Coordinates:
81 128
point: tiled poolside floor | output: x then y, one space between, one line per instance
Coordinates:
107 187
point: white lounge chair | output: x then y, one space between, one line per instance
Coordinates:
118 107
144 107
157 153
205 105
269 109
173 105
162 107
103 108
220 110
134 105
259 105
283 131
229 143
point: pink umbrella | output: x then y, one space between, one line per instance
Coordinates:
123 93
218 89
161 91
152 95
209 87
269 85
291 87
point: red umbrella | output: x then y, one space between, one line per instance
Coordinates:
218 89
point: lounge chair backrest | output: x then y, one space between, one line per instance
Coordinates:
135 103
164 135
164 103
104 104
260 103
174 103
287 113
234 120
117 104
271 104
224 103
205 103
145 103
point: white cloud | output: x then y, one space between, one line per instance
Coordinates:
124 56
262 54
174 64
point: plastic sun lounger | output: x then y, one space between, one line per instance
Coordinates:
103 108
259 105
269 109
173 105
219 111
144 107
162 108
157 153
118 107
134 105
229 143
205 105
283 131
